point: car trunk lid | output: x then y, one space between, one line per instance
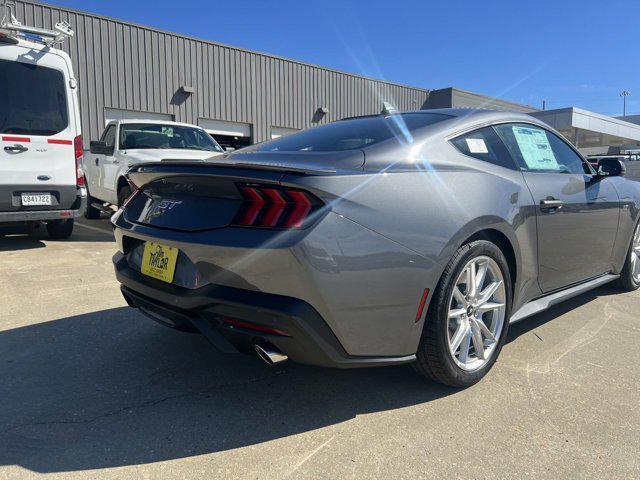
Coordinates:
193 196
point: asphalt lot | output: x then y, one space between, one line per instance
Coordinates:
92 389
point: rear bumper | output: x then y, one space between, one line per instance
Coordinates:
75 210
308 338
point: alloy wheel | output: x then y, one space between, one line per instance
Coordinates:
635 256
477 312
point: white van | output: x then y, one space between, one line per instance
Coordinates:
40 138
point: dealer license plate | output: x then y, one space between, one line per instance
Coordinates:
159 261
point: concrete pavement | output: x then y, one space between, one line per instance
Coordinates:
91 388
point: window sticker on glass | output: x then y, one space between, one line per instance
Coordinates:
535 148
476 145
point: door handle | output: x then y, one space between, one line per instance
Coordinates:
97 161
551 204
16 149
116 161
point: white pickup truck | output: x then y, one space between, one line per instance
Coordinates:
125 143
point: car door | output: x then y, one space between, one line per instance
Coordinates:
577 212
95 164
110 164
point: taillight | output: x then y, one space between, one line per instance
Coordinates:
77 151
253 326
275 207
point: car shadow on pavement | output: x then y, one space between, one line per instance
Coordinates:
12 239
111 388
10 243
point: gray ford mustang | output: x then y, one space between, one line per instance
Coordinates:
406 238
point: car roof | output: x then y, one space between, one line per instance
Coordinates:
463 117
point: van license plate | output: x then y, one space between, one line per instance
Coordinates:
159 261
36 199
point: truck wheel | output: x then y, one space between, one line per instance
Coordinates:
60 229
123 194
91 213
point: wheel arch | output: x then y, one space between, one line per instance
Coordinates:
504 244
492 229
122 182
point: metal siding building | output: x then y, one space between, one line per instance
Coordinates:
129 67
452 97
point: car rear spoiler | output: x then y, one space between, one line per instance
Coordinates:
201 166
143 173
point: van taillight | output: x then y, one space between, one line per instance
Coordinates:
275 207
77 150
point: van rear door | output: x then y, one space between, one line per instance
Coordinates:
38 126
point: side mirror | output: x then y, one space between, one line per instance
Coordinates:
611 167
100 148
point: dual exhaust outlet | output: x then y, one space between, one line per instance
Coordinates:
270 354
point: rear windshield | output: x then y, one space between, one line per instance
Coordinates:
154 135
33 99
352 134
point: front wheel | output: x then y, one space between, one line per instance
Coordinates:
60 229
630 275
91 212
467 320
123 194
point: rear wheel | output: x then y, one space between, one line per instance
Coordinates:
630 275
60 229
467 321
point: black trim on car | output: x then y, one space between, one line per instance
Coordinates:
308 338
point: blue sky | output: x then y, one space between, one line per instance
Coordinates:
569 53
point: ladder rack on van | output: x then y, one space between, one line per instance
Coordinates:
11 28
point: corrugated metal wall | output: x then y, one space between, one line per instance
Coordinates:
455 98
132 67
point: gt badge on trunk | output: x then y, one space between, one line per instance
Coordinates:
159 261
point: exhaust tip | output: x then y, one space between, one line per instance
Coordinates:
270 354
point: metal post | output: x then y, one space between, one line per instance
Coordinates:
624 96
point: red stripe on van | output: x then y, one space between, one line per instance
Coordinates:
59 142
16 139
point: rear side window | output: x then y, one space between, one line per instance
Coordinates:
33 99
537 150
484 144
352 134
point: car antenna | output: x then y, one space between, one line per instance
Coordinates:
388 109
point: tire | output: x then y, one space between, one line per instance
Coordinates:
91 212
123 194
628 280
60 229
434 357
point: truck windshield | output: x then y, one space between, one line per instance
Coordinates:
33 99
155 135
